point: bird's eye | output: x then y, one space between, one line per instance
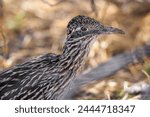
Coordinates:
83 29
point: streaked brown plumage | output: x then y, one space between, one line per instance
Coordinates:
46 77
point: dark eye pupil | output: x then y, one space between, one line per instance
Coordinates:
83 29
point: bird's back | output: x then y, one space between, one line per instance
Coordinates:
28 80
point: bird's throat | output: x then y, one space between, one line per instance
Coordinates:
75 54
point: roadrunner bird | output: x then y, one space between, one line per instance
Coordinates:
46 77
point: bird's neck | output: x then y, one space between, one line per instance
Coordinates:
74 54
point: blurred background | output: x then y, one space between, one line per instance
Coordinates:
30 28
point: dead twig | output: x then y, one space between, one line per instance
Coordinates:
147 75
94 9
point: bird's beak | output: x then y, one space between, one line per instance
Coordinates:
112 30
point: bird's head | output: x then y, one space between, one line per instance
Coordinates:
81 31
83 26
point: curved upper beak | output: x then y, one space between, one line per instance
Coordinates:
111 30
